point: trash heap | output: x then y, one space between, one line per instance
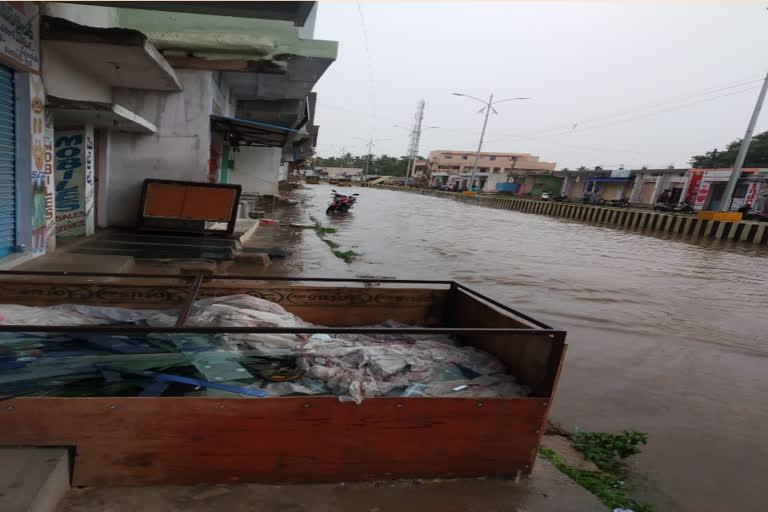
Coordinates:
351 366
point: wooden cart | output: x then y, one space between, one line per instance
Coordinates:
186 440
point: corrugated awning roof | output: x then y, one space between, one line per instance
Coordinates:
251 133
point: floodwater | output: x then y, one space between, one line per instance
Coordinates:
665 336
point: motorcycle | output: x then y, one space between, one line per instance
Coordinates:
619 203
341 203
672 208
544 196
748 213
560 199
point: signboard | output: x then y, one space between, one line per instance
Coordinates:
620 173
693 188
19 33
701 195
717 175
70 171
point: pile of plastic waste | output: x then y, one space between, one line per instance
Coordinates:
351 366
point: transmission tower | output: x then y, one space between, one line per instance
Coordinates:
415 137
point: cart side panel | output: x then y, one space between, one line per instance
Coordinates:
137 441
323 305
533 359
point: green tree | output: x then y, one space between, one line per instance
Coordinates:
757 156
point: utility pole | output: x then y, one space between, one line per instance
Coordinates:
488 108
725 203
480 145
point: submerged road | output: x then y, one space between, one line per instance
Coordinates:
665 336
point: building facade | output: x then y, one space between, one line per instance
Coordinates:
444 167
706 187
96 98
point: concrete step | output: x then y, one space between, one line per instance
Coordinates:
33 479
71 262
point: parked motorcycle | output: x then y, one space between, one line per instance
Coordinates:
560 199
341 203
749 213
683 207
619 203
544 196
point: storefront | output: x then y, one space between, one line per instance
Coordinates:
707 187
26 183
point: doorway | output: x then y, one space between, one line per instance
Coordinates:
716 191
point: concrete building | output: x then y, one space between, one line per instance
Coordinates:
444 167
649 184
98 97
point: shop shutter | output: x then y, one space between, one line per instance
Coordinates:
7 162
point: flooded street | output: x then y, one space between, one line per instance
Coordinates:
665 336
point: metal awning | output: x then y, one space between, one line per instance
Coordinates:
251 133
609 179
103 115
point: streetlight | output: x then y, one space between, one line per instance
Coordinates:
488 107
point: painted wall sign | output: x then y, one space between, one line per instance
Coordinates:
89 180
19 33
50 185
39 184
69 170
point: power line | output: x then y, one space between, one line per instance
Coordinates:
672 100
371 81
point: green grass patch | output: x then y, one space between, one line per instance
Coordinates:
606 451
347 256
330 243
321 231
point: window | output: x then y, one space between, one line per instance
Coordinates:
493 157
463 157
496 169
507 169
448 157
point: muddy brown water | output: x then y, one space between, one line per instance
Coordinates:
666 336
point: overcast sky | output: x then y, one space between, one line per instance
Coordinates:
612 83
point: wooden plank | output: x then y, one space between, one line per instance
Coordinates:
528 357
140 441
331 306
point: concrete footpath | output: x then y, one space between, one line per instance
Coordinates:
547 490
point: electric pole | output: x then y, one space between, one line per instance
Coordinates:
725 203
488 108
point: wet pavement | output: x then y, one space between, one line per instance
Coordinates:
665 335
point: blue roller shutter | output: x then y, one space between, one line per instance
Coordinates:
7 162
